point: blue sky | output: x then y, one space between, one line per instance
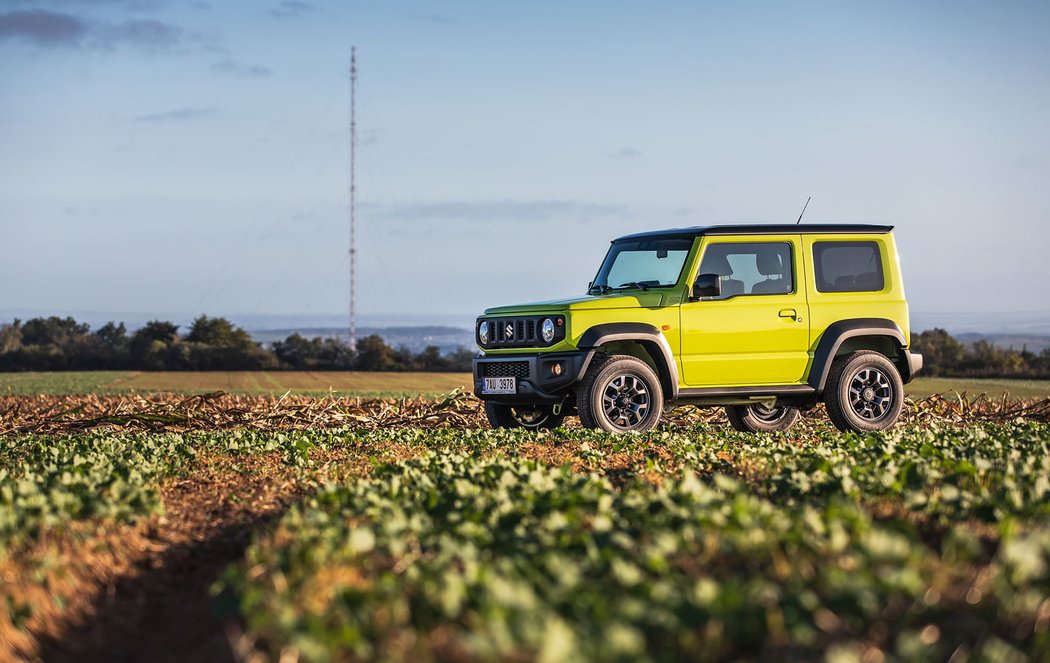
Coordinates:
186 157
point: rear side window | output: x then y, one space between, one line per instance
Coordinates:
848 266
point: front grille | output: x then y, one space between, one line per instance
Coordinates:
513 331
519 332
504 369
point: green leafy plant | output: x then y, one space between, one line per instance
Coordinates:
460 555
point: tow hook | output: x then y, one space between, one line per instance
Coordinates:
556 409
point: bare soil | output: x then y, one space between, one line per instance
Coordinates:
57 415
144 593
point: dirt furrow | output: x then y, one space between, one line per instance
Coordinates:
146 595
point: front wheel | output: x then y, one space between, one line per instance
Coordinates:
533 417
760 418
864 392
620 394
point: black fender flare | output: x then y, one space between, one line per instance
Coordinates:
609 332
840 331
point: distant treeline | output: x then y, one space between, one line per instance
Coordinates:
946 356
215 344
210 344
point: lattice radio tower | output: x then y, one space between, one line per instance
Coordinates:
353 187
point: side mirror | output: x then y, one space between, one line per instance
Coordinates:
707 285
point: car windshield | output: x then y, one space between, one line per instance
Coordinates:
644 263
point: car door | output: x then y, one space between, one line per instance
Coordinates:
757 331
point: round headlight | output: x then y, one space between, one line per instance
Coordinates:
483 332
547 329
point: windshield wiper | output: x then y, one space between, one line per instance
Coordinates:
633 284
599 288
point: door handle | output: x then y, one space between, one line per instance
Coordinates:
788 313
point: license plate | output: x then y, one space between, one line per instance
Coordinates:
500 386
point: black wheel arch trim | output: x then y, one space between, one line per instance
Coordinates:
610 332
838 332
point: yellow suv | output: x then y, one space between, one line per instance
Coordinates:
765 320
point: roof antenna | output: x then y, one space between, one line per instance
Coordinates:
803 210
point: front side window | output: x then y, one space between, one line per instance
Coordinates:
645 263
848 267
752 268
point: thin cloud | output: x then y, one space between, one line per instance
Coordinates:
368 137
146 33
56 29
128 5
235 68
291 9
1029 163
627 153
507 210
42 27
177 115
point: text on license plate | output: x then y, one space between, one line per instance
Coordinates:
500 386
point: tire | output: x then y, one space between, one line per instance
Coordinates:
533 417
620 394
759 418
864 392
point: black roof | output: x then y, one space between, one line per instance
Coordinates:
760 229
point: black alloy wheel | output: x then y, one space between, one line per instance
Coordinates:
533 417
864 392
762 418
620 394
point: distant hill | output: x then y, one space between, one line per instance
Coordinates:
1029 324
1017 342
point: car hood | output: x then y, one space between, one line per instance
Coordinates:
633 299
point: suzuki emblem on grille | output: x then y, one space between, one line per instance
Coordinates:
509 333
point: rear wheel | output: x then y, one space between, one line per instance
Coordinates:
620 394
761 418
534 417
864 392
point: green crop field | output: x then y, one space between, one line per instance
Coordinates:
238 382
372 384
975 386
395 540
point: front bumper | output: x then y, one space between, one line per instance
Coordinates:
535 382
